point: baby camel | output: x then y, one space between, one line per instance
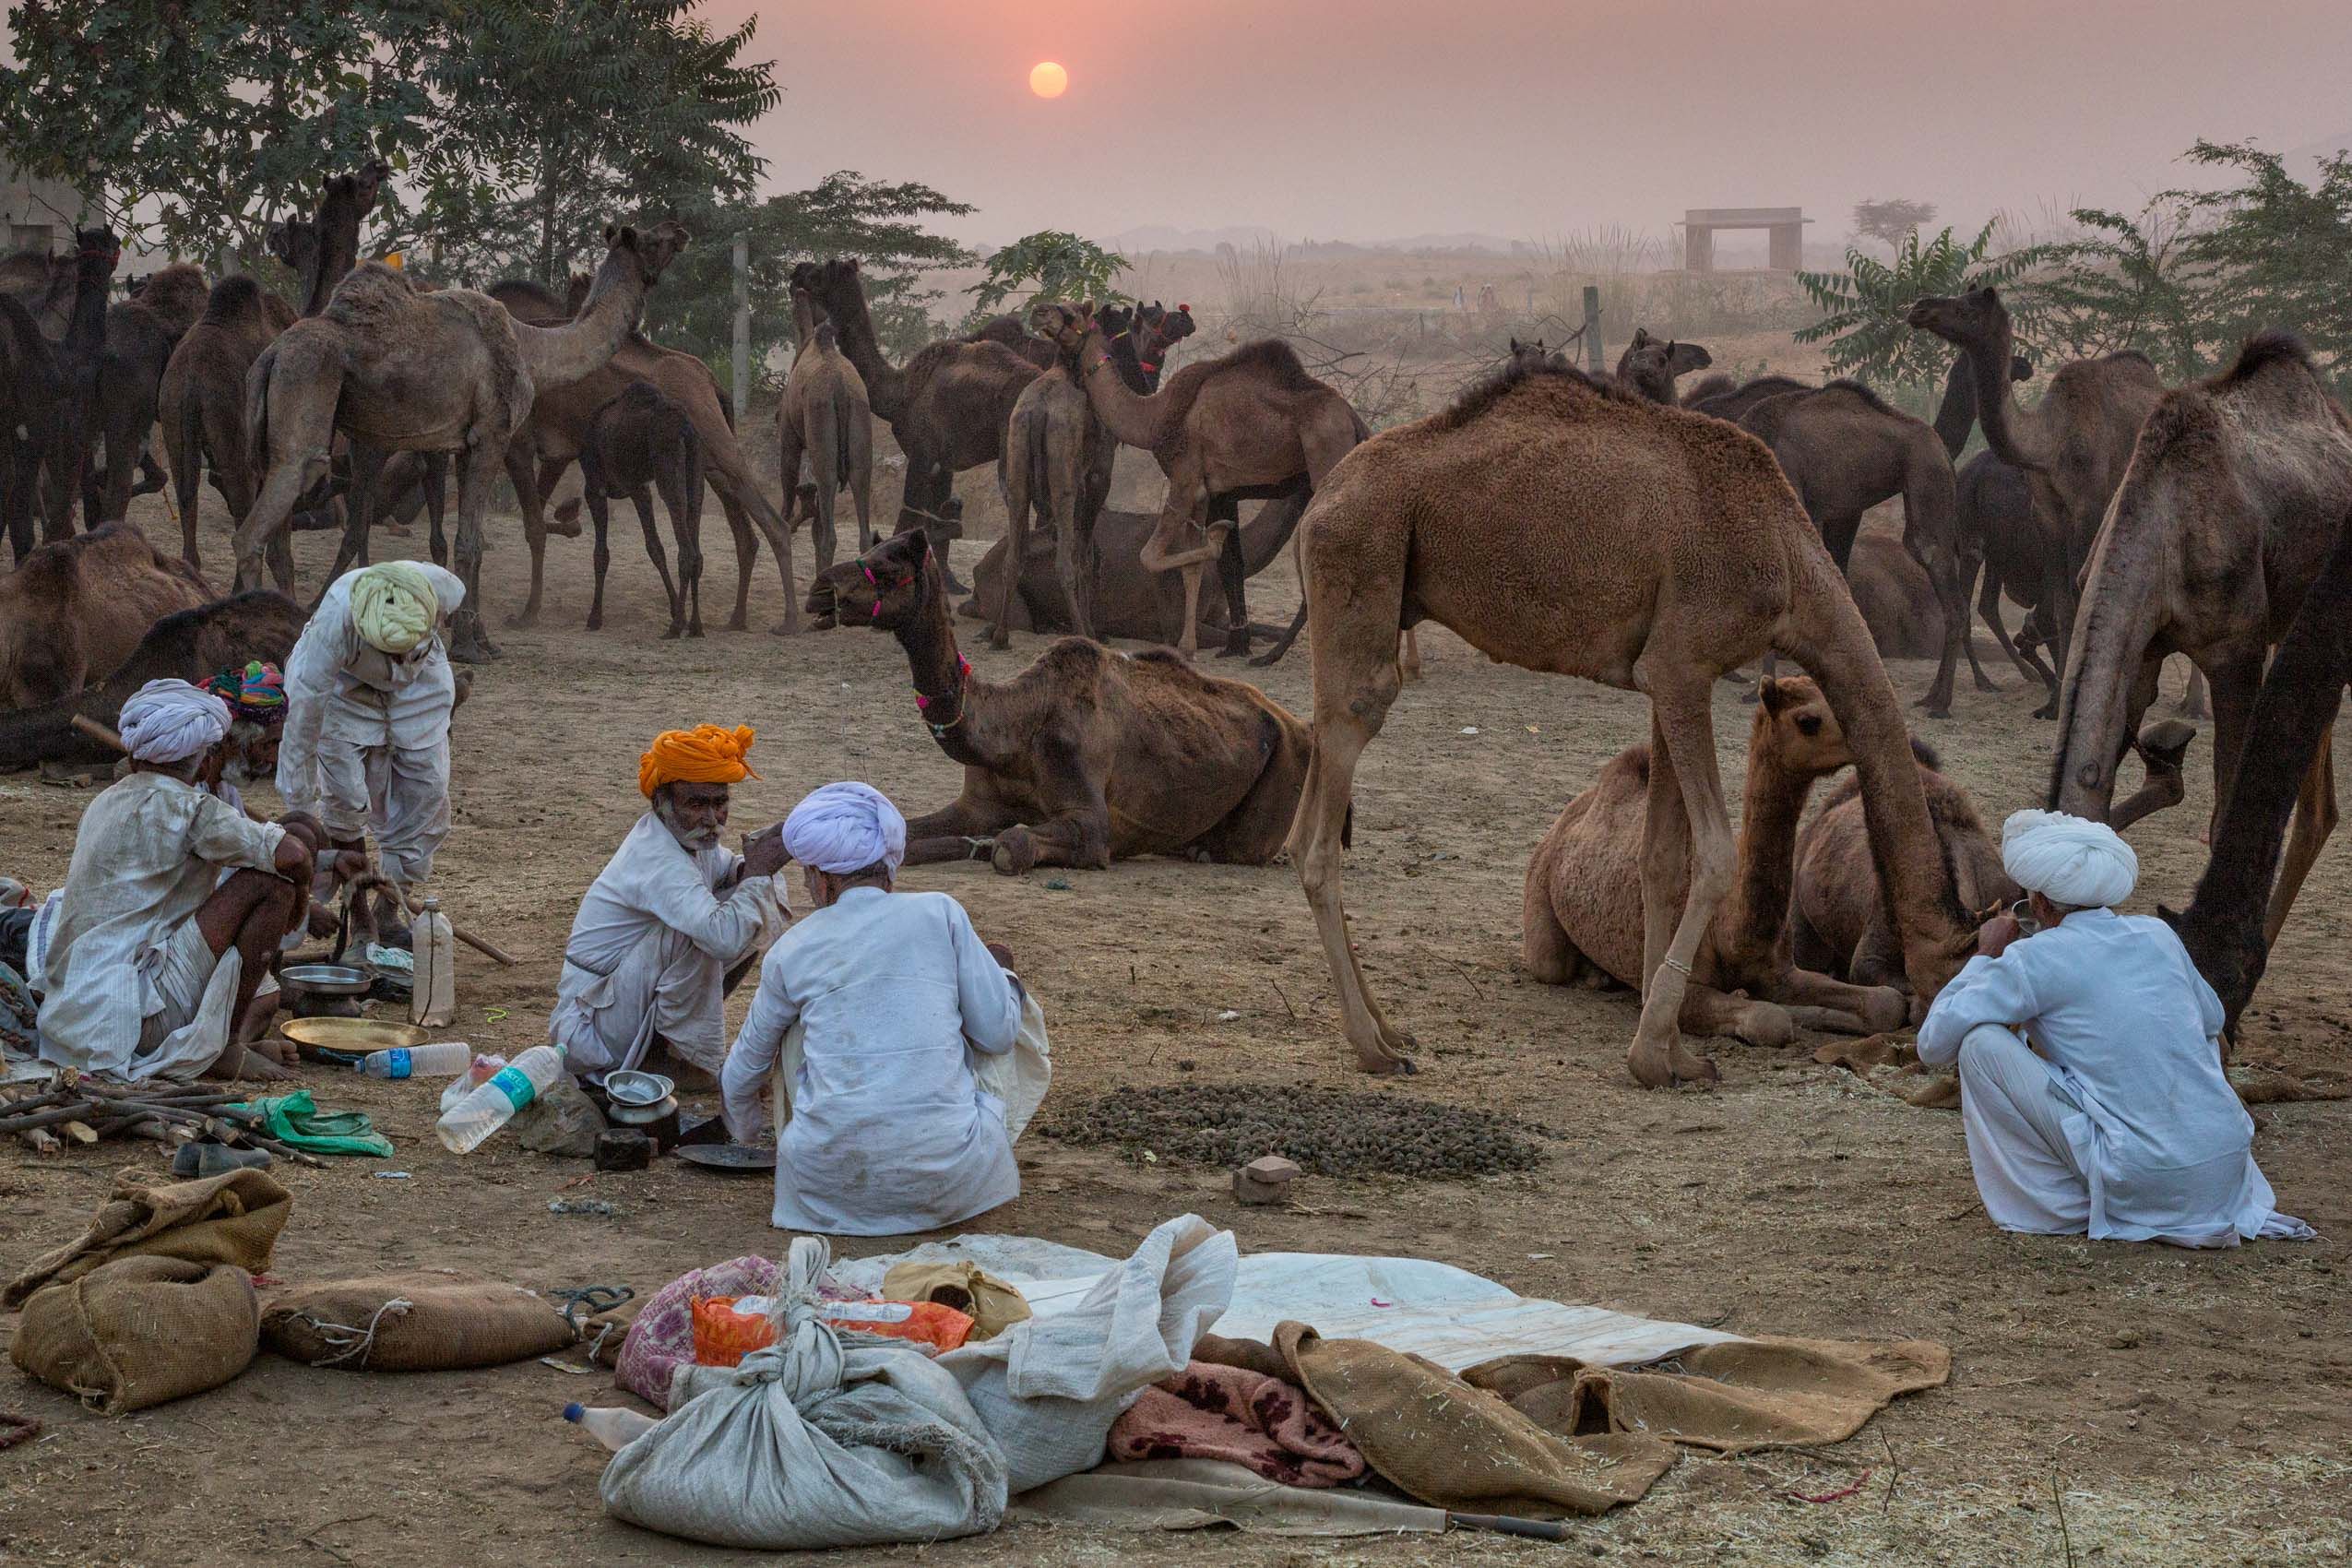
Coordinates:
1087 757
1583 915
639 441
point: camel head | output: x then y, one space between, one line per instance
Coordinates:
99 244
357 189
1795 726
1166 327
1976 316
575 291
2230 963
1650 365
883 588
1066 323
652 249
836 286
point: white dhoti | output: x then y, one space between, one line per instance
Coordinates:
665 985
2014 1109
191 1002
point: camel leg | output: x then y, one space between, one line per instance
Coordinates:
520 472
1014 474
1709 1012
184 451
1232 577
367 467
436 503
1686 818
1282 643
1952 595
2314 821
1409 654
1988 610
1355 682
859 439
964 830
2057 605
681 487
2197 701
642 498
478 467
824 462
599 514
1820 1002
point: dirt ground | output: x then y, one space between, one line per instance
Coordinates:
2108 1404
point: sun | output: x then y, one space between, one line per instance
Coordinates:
1047 79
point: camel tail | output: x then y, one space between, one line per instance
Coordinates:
1823 631
187 464
257 410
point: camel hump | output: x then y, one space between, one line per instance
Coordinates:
1544 376
1862 394
373 298
234 301
2263 351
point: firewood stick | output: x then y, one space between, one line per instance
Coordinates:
42 1140
39 1119
240 1131
97 732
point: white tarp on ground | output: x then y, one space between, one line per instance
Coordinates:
1450 1316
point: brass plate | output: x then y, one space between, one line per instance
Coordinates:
352 1034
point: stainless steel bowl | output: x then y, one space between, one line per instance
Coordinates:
634 1087
641 1115
326 980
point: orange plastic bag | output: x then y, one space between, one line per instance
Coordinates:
725 1331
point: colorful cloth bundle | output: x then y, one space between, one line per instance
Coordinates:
255 694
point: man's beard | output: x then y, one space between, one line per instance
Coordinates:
693 841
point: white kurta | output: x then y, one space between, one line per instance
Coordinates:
2151 1142
889 1132
650 953
148 853
366 741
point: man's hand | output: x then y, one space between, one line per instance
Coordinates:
1002 953
1994 936
764 852
322 922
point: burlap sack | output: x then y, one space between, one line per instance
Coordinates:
416 1322
231 1219
140 1331
992 1304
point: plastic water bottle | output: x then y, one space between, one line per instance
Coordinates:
490 1106
436 1061
612 1425
433 950
484 1068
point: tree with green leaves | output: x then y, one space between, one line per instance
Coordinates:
552 115
1047 264
879 222
1865 309
1890 221
2128 282
2275 251
191 124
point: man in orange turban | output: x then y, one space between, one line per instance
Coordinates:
674 919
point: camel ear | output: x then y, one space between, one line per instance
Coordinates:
1772 694
1641 337
611 232
2168 915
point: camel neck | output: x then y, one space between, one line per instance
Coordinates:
1133 420
853 334
1129 361
2015 438
952 700
1757 908
338 252
558 356
86 328
1956 415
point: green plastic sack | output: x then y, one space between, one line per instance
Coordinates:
293 1119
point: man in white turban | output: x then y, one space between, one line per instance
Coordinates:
369 692
876 1004
148 952
2091 1083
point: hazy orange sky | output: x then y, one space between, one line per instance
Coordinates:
1361 119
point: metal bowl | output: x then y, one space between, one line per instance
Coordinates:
636 1088
326 980
642 1115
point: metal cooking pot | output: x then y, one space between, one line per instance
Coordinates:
326 980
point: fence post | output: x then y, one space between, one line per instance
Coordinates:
1592 328
743 326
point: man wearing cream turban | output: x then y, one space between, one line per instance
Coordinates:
369 692
879 1006
2109 1115
173 906
673 920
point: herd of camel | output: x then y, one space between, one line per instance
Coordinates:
1612 526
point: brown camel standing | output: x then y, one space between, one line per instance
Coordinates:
638 442
61 451
1838 914
559 421
1844 450
824 415
1582 916
946 406
2232 501
1088 755
187 645
1250 423
400 369
73 611
33 392
1057 465
2073 445
141 332
1565 526
43 285
1650 366
202 396
1128 602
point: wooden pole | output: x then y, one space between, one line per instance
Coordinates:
1592 328
743 326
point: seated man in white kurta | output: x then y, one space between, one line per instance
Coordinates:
2112 1116
673 920
889 1132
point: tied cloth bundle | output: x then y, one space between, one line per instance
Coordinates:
704 754
255 694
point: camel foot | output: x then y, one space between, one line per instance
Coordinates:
738 621
596 624
1015 851
467 647
1935 709
1237 644
564 528
1887 1009
673 633
1267 660
1737 677
2048 709
524 618
398 530
1749 700
788 627
1986 683
999 639
1669 1064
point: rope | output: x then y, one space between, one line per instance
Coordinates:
1680 968
592 1299
354 1341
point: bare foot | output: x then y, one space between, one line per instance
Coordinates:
245 1062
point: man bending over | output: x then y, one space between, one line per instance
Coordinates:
2110 1115
151 951
672 920
888 1131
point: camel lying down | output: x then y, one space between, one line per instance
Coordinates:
1087 757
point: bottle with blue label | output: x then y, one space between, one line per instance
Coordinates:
441 1059
492 1105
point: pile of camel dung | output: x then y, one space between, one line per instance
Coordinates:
1328 1131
